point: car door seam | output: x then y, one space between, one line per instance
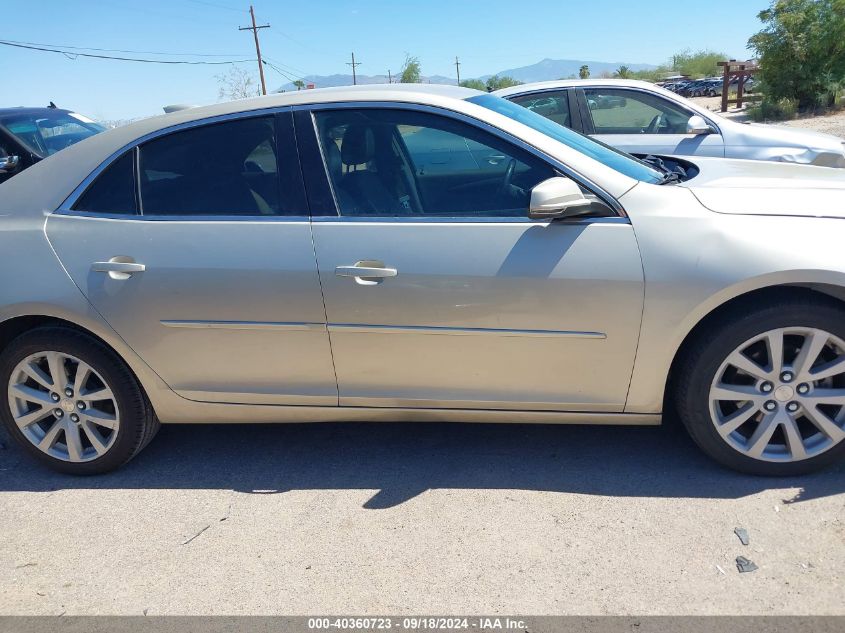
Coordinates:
96 311
325 311
642 317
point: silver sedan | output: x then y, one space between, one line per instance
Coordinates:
641 118
380 253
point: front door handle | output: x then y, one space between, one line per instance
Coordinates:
118 267
367 272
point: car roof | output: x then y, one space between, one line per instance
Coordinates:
422 93
572 83
432 94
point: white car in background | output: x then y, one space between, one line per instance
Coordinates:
641 118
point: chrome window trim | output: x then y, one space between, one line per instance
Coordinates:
422 219
66 208
680 104
582 180
241 219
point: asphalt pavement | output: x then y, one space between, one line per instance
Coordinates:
418 518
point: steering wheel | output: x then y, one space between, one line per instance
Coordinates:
508 178
654 126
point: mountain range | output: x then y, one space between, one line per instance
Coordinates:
543 70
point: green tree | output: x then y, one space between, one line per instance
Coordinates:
411 71
802 51
475 84
653 74
623 72
584 72
703 63
299 84
495 82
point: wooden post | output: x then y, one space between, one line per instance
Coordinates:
744 70
739 84
726 85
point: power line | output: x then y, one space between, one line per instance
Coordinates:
293 70
73 55
280 71
119 50
255 30
281 68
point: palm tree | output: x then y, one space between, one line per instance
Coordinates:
584 72
623 72
299 84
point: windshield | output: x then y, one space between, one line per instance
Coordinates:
613 158
47 132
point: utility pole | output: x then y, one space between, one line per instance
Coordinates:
389 77
458 69
354 64
254 30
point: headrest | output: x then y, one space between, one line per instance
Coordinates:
333 160
359 145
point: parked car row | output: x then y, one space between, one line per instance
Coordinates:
707 87
425 253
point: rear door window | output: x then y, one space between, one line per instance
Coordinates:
228 168
553 105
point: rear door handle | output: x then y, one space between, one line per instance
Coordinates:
118 267
366 273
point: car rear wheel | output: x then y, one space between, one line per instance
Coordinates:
72 403
763 391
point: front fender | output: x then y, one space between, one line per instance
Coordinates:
695 260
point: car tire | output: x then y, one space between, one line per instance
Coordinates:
82 433
796 323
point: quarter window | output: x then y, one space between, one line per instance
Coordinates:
615 111
225 168
114 189
386 162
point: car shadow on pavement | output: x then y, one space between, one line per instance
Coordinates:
402 460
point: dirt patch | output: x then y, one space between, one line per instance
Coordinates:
829 123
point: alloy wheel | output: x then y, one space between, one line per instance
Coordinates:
780 396
63 406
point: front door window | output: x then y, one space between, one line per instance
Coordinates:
615 111
385 162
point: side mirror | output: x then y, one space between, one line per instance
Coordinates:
9 163
557 198
697 125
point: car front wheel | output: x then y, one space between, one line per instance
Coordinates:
763 391
72 403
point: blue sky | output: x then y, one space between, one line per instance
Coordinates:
317 36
